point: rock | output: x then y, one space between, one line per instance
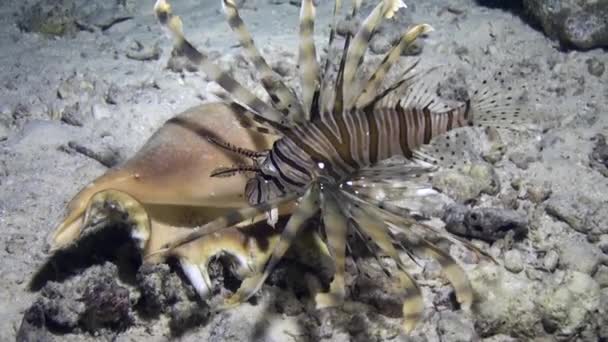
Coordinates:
106 303
579 255
72 115
538 193
595 67
145 53
602 315
550 261
4 131
568 306
454 327
601 276
469 183
380 45
33 326
580 213
373 287
513 261
581 24
93 301
488 224
67 17
186 315
603 243
160 288
505 302
521 160
599 156
100 112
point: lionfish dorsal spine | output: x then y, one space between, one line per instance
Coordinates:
281 96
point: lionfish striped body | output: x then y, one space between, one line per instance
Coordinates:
334 147
339 131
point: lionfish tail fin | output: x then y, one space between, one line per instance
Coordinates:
283 98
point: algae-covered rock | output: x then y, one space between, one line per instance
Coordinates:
581 24
66 17
505 302
468 183
569 304
579 255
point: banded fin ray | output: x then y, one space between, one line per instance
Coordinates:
307 57
233 218
308 207
354 54
420 246
174 25
378 232
336 226
375 81
283 98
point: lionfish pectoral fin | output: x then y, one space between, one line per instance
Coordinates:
452 271
249 287
283 98
413 306
259 108
336 225
496 102
233 218
307 208
375 81
376 229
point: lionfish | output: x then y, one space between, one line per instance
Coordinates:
333 138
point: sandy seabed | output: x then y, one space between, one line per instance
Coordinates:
83 90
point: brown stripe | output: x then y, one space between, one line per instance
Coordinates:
428 130
373 136
416 130
467 110
450 120
405 149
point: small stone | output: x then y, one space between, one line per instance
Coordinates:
521 160
4 131
513 261
595 67
538 193
72 115
283 68
469 183
453 326
380 45
579 255
550 261
575 211
100 112
601 276
112 94
603 243
567 306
